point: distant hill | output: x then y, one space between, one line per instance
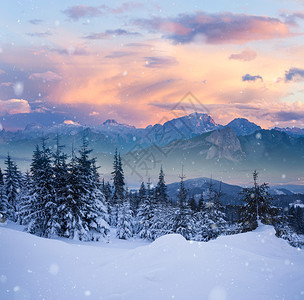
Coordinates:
230 193
197 186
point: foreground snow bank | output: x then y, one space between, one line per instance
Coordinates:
253 265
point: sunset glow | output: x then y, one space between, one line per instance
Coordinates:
133 61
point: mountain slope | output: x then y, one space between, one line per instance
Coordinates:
273 147
253 265
242 126
277 156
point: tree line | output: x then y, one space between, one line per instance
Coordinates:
64 196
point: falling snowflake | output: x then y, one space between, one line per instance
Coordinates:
18 88
54 269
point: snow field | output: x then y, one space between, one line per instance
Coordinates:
253 265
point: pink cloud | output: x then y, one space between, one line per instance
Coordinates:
174 28
221 28
14 106
245 55
46 76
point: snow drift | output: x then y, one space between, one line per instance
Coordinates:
253 265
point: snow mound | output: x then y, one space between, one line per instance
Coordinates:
253 265
170 240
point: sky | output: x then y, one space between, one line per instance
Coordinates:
134 61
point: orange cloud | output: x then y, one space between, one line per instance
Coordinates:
14 106
123 88
139 85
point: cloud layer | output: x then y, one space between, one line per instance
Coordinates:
221 28
107 63
110 33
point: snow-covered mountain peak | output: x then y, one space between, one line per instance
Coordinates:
114 123
110 122
70 123
243 127
201 117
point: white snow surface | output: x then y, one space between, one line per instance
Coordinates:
253 265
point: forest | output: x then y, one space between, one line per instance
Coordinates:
63 195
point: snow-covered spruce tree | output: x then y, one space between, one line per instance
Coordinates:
146 214
12 185
85 209
29 206
296 220
134 202
118 186
141 196
125 220
25 197
61 184
257 205
161 223
161 208
118 178
183 219
204 226
3 200
60 168
42 218
201 203
113 203
217 215
214 220
74 225
161 188
142 193
107 191
210 216
285 230
192 204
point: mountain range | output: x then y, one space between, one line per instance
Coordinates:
294 131
194 141
184 127
230 194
